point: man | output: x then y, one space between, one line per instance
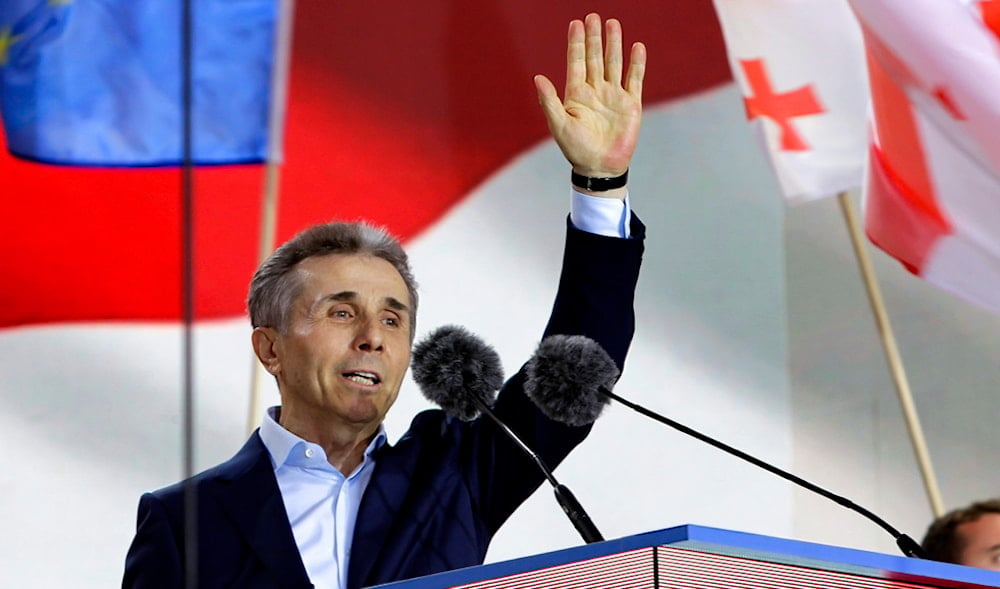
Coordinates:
317 497
969 536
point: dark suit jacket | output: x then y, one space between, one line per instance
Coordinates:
435 498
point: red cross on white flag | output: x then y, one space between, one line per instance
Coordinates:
781 108
800 66
933 189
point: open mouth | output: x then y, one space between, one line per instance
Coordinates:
365 378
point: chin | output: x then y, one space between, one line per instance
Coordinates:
364 414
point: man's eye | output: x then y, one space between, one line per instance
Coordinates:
341 313
391 321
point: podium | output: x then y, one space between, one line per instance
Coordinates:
700 557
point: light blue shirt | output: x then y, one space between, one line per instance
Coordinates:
322 504
604 216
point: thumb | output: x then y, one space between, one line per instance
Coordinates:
548 98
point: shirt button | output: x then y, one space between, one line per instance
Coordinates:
310 452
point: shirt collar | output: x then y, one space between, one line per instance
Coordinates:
280 442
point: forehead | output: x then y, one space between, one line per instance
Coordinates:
362 274
983 531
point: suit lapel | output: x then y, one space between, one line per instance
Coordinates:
250 496
378 513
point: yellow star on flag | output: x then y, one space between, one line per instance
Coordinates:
6 40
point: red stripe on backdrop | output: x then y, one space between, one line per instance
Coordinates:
397 110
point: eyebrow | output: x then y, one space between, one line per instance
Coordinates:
350 295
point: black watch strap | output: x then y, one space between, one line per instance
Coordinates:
598 184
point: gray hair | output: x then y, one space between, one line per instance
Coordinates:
275 287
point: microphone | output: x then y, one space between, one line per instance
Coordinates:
555 382
566 376
457 371
460 373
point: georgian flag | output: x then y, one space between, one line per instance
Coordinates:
933 187
800 66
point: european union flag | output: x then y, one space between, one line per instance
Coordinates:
98 82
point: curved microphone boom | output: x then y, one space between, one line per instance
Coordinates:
568 392
458 372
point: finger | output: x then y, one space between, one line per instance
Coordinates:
636 70
576 55
595 49
613 51
552 107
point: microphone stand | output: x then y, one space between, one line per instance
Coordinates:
570 506
905 543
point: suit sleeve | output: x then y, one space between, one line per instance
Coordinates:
153 559
595 298
596 290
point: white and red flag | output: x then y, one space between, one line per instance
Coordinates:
933 187
800 67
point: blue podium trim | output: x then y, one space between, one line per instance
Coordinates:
730 543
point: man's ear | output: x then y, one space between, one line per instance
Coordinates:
265 345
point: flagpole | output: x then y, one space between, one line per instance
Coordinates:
268 223
892 354
272 175
190 555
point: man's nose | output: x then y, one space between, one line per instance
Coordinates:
369 336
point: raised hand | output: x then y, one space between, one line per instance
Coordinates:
596 125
